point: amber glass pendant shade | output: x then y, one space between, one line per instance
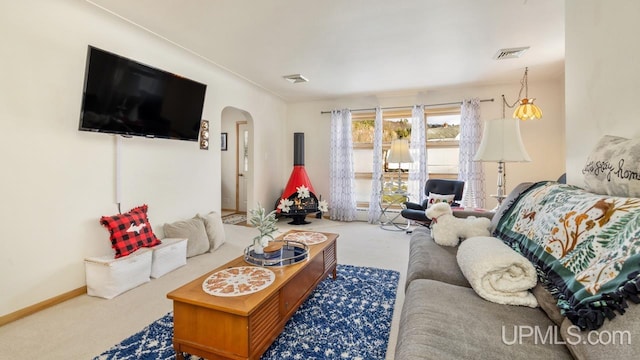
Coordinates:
527 110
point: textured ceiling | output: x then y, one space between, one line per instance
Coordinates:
360 47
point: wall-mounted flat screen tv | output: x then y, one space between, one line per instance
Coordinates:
122 96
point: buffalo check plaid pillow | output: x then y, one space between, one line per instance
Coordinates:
130 231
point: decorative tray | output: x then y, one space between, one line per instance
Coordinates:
292 252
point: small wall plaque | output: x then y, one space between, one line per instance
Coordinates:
204 135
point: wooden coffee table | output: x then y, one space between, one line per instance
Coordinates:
243 327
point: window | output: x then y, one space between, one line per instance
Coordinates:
443 135
443 130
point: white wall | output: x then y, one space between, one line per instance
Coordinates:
543 139
602 76
58 181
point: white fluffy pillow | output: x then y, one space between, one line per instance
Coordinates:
613 167
215 229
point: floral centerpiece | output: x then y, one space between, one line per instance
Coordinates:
266 224
302 193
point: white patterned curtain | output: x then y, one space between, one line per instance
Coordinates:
376 178
342 205
470 171
418 147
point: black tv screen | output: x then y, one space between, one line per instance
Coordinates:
122 96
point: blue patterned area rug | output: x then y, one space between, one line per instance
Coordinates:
349 318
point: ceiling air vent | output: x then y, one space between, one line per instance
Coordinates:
295 78
510 53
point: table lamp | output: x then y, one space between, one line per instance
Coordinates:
501 143
399 154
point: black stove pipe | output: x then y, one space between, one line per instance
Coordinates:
298 149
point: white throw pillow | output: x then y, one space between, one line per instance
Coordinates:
434 198
612 167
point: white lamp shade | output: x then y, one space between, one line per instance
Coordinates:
399 152
501 142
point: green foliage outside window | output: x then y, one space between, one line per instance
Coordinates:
362 131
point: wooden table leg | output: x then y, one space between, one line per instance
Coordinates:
179 355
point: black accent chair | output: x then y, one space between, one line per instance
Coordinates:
415 211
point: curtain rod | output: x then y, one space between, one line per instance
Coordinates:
409 106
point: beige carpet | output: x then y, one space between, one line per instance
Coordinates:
86 326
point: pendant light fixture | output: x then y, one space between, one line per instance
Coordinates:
526 109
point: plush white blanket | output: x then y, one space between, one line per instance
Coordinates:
496 272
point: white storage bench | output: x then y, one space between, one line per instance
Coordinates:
108 277
168 256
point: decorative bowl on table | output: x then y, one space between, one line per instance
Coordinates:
289 253
273 250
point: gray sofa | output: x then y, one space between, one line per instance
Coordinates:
443 318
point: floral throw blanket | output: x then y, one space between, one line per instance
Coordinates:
585 247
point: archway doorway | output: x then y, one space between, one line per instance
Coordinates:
237 160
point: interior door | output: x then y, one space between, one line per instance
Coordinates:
242 155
